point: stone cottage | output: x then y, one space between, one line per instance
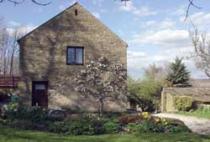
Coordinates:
52 54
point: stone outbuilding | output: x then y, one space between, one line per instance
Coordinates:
199 92
52 54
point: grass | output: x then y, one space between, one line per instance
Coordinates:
14 135
200 113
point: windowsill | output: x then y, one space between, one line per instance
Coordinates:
74 64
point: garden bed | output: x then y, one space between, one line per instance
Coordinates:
36 118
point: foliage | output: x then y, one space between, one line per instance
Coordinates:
58 127
156 125
146 93
145 123
183 103
150 89
111 127
38 119
85 126
102 80
17 135
200 113
145 127
35 114
178 75
20 124
80 128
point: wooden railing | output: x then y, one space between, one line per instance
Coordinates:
9 81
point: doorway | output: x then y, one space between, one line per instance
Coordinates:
40 93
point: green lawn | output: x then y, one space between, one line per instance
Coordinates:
13 135
200 113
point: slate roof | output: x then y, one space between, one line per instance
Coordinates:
200 90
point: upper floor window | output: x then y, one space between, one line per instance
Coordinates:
75 55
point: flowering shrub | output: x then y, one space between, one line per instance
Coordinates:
147 123
145 115
102 79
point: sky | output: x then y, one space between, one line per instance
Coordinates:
156 30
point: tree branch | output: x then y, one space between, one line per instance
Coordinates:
191 4
38 3
20 2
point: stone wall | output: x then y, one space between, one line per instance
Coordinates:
167 102
43 57
200 95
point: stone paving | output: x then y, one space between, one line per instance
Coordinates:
196 125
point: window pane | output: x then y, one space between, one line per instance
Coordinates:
71 55
79 55
40 87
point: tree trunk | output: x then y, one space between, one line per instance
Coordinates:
207 73
12 61
4 63
101 107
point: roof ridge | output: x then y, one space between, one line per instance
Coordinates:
58 14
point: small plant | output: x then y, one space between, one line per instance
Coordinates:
183 103
98 126
58 127
145 115
111 127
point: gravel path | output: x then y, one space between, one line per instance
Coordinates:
197 125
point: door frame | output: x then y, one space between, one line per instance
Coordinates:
46 83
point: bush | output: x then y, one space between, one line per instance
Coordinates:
21 124
85 126
58 127
10 110
174 128
149 126
147 123
81 127
111 127
98 126
183 103
146 126
34 114
37 118
146 93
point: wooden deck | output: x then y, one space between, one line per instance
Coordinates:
9 81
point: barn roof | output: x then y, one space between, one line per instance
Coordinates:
201 83
197 93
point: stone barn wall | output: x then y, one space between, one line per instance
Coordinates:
43 57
